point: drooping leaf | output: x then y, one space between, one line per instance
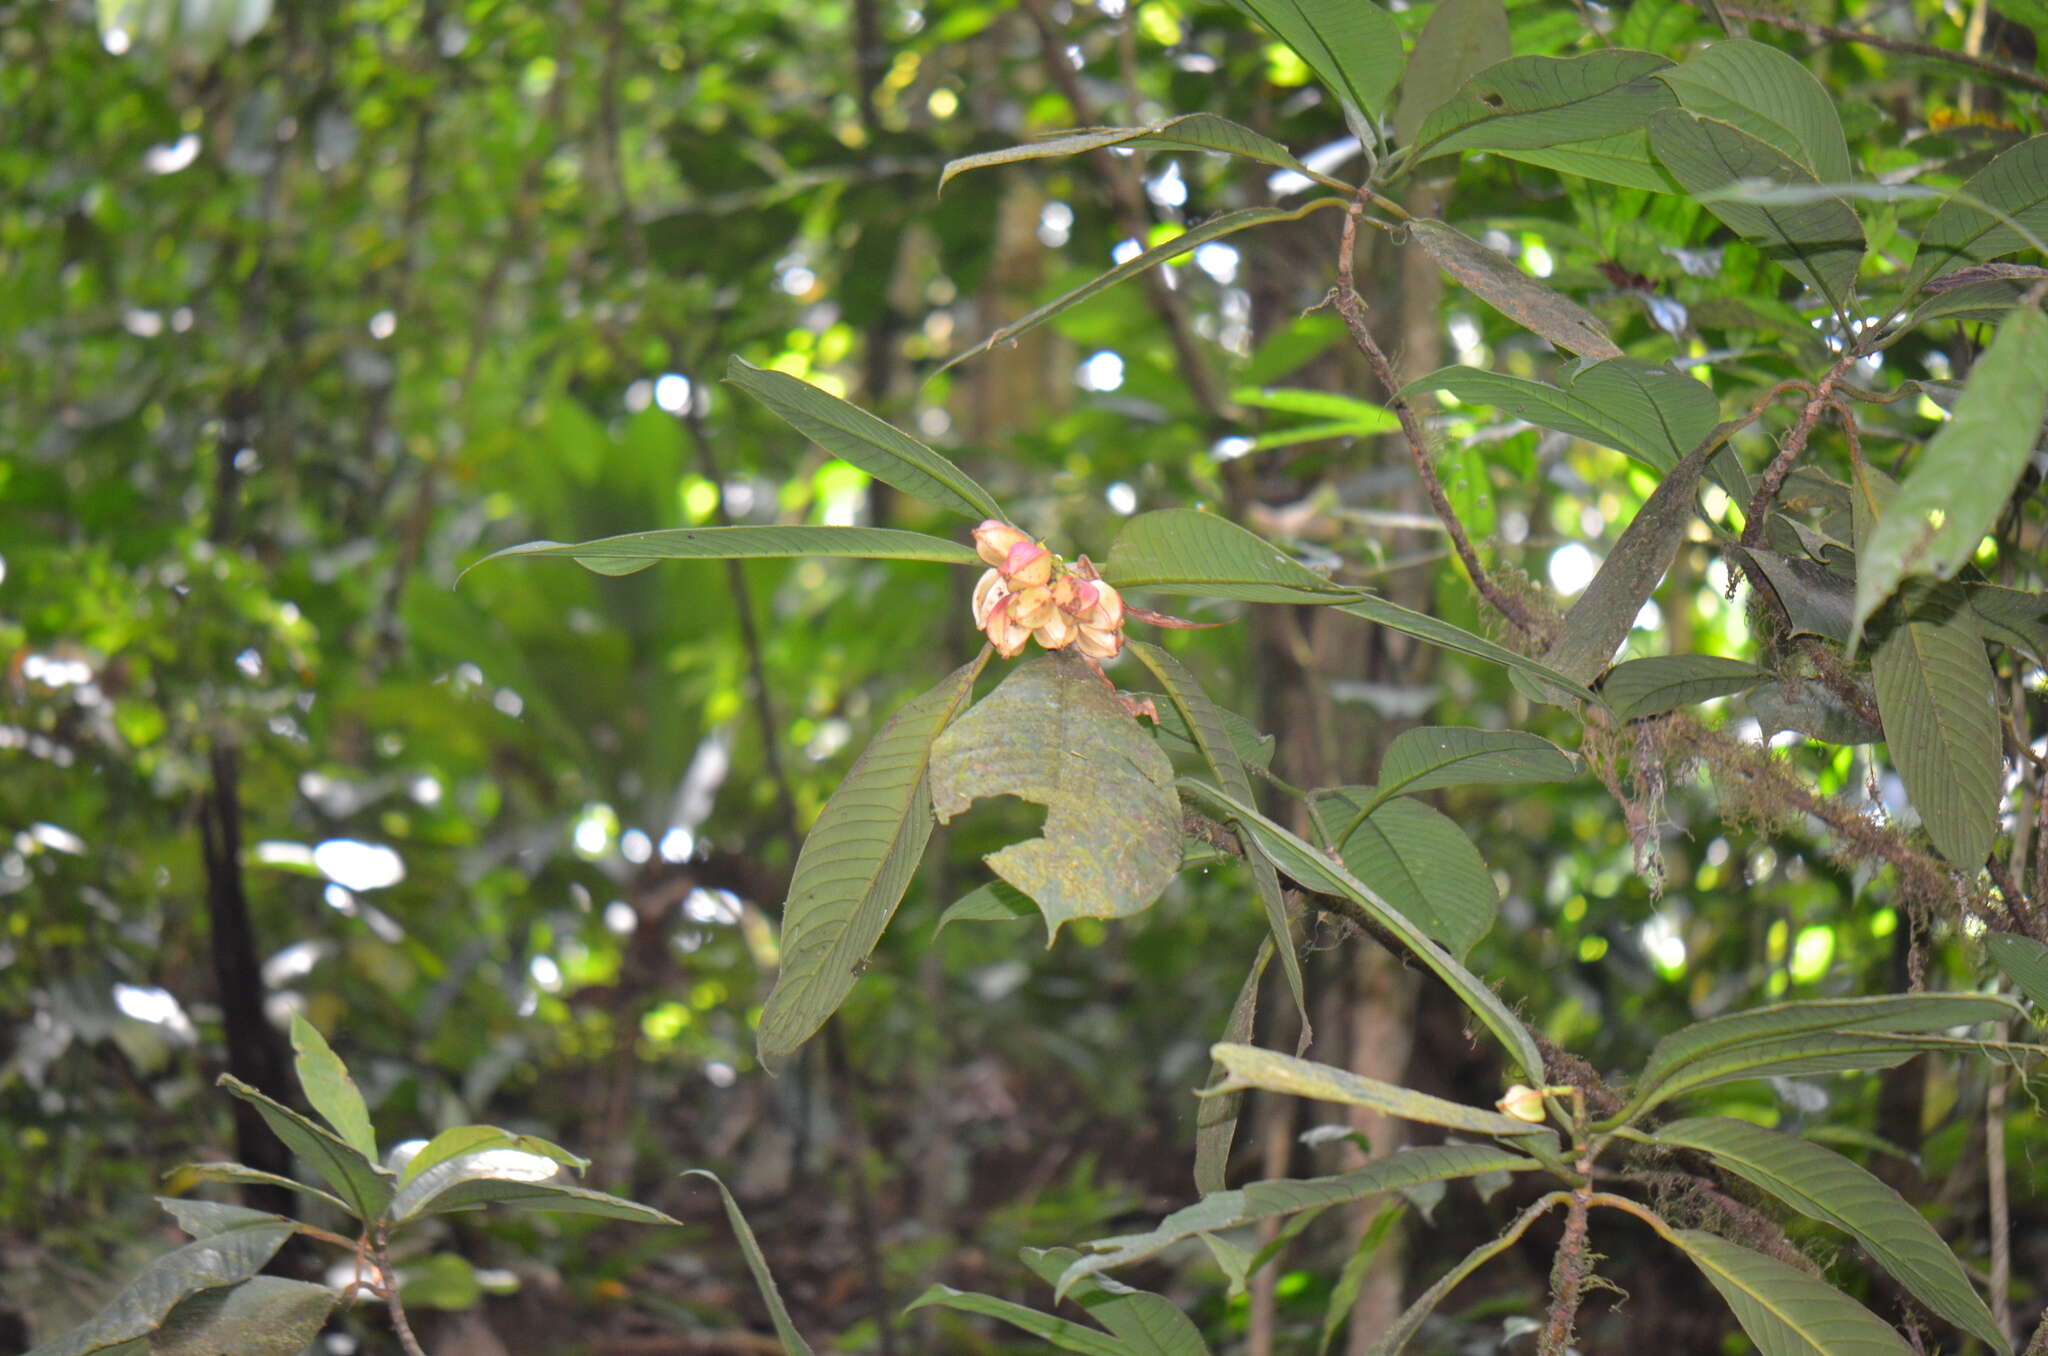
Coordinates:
1196 554
1248 1066
1938 697
1216 1118
1318 873
2025 963
1353 46
1452 637
856 864
263 1316
1189 132
1271 1199
1431 757
180 1176
1768 95
1788 1030
1062 1333
793 1343
1651 413
140 1307
1418 859
1402 1330
1344 1294
851 433
333 1093
1529 102
995 902
1461 39
1054 734
1650 687
1821 1184
1962 233
1785 1311
1961 480
364 1187
1147 1324
1496 281
1215 228
635 551
1205 720
1820 243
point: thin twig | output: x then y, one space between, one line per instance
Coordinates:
1795 442
387 1283
1909 46
1352 308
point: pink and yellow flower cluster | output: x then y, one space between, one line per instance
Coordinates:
1030 593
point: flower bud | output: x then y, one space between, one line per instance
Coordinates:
995 539
989 594
1524 1103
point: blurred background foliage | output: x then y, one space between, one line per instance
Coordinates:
304 311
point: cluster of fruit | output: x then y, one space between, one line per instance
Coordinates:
1030 593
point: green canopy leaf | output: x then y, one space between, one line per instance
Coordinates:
1431 757
1419 860
1938 697
1665 682
327 1085
1961 232
361 1184
1202 555
1768 95
1529 102
1461 39
635 551
1785 1311
1353 46
1651 413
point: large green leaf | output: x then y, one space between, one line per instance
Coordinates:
333 1093
1768 95
1353 46
1190 132
1208 724
635 551
1651 413
2025 962
363 1186
1055 734
1962 479
1938 697
1720 1048
1785 1311
141 1306
1494 279
1248 1066
1451 637
1419 860
1461 39
1820 242
1665 682
856 864
1529 102
847 431
1215 228
1062 1333
1431 757
1147 1324
793 1343
1962 233
1271 1199
1623 159
263 1316
1202 555
1821 1184
1318 873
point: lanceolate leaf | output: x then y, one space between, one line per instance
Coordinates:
1215 228
793 1343
1054 734
1418 859
327 1085
364 1186
1216 1118
847 431
1201 555
1651 413
1317 872
1528 102
1250 1067
1821 1184
1938 697
635 551
263 1316
556 1197
855 866
1190 132
1287 1196
1819 243
1650 687
1431 757
1403 1329
1785 1311
1442 633
1962 479
141 1306
236 1172
2025 962
1206 721
1062 1333
1770 96
1496 281
1461 39
1962 233
1353 46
